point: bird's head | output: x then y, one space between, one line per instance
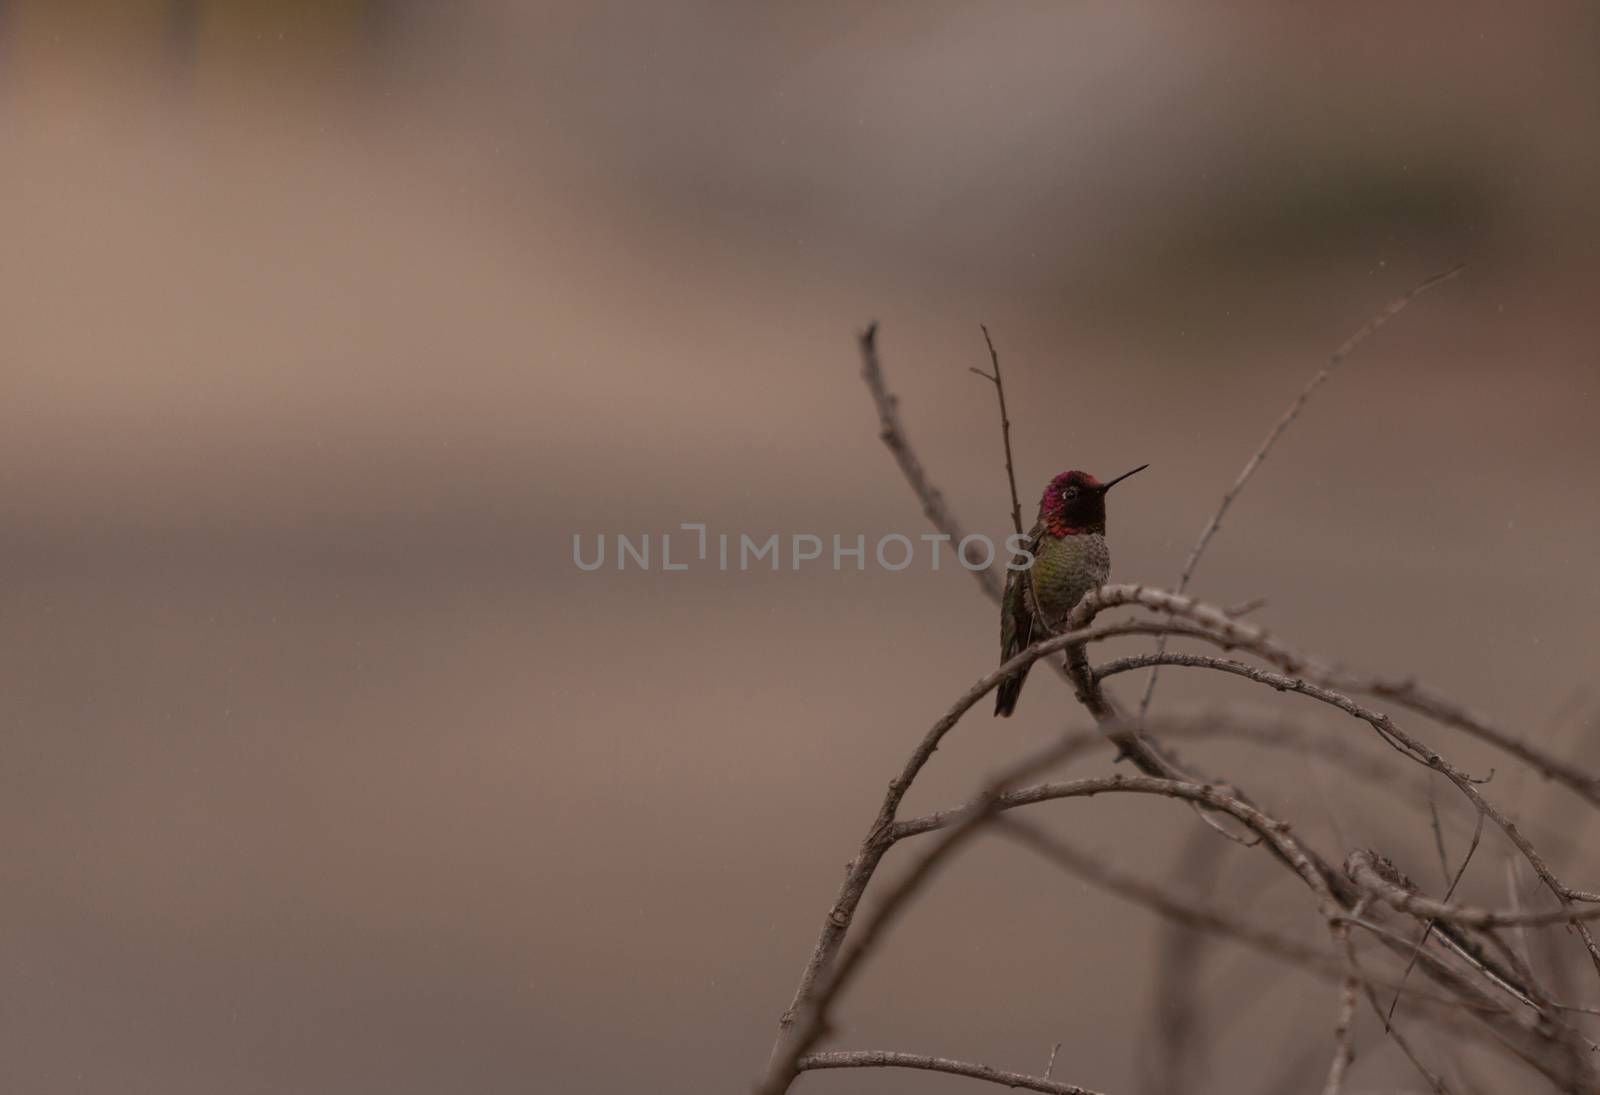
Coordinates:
1075 502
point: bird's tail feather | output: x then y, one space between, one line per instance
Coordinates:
1005 697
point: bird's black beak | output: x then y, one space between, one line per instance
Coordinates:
1107 486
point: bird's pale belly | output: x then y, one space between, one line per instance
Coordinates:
1065 569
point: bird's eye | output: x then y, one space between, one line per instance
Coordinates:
1070 492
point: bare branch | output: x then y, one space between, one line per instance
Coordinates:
1229 633
808 1018
1005 427
1436 706
1342 1051
1438 833
812 1018
880 836
893 435
1377 876
1050 1065
1220 799
1434 1080
872 1058
1477 835
1244 608
1276 432
1531 1042
1545 1042
1515 898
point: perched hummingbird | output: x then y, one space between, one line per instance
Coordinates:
1070 557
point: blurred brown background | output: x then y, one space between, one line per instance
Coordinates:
325 326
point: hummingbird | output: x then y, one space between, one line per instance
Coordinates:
1070 557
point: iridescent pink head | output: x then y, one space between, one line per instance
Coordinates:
1075 502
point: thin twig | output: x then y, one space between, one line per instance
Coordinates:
808 1019
1546 1043
1343 1053
1244 608
1438 833
873 1058
1276 432
1434 1080
1427 928
814 1017
1005 427
880 836
1515 898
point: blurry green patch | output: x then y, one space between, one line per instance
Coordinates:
1286 216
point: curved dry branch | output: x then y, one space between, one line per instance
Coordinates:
1546 1043
876 1058
1377 876
808 1018
812 1014
886 830
879 837
1283 423
1273 735
1317 679
1523 971
1534 1042
1230 632
1361 980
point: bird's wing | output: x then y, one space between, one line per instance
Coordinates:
1016 625
1016 613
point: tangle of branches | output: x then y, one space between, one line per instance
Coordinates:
1450 966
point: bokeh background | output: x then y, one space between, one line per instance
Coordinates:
326 325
